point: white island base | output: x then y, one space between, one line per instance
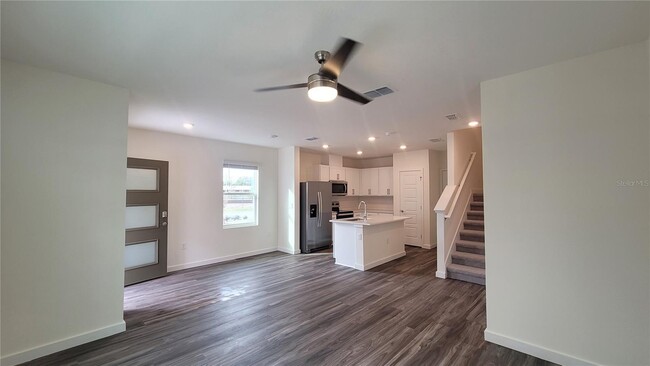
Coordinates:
364 244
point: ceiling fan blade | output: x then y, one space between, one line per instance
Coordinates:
335 64
348 93
283 87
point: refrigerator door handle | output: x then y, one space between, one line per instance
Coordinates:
320 208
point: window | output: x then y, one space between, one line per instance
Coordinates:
240 194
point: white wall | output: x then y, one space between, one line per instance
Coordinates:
567 161
289 200
460 144
63 184
434 192
196 201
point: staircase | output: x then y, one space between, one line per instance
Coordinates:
468 260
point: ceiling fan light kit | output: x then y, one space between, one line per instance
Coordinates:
321 89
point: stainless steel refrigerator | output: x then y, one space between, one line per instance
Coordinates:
315 216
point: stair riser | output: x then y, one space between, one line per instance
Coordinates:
467 278
477 198
476 206
475 216
469 262
472 237
465 249
473 227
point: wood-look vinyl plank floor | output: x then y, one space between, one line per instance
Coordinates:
279 309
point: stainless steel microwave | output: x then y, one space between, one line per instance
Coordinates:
339 188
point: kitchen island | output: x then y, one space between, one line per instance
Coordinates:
366 243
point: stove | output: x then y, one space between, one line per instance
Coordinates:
341 214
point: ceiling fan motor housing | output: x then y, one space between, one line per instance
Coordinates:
316 80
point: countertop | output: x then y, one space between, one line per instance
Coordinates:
371 220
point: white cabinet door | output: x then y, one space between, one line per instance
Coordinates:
385 181
352 177
320 173
336 173
369 182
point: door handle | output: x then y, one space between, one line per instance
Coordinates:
320 208
164 223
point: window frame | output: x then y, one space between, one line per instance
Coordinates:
230 164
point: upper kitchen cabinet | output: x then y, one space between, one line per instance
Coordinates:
336 173
369 182
352 176
320 173
385 181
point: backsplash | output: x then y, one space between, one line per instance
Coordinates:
375 204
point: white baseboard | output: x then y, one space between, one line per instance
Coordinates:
441 274
49 348
380 261
226 258
534 350
288 250
429 246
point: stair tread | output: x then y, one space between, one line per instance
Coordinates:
471 271
468 243
469 256
475 212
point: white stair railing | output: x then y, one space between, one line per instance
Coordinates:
450 211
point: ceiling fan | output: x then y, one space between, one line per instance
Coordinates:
323 86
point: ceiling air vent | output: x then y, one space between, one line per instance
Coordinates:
384 90
439 139
311 138
452 117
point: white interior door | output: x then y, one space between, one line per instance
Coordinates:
410 189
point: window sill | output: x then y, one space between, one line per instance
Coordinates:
237 226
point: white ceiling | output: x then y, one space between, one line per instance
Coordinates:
200 61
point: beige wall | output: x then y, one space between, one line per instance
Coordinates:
368 162
460 144
567 161
63 198
196 233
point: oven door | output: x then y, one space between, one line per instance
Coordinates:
339 188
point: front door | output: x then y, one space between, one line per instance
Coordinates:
410 193
145 254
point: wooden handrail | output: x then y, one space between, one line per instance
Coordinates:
461 185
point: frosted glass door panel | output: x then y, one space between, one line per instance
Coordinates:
142 254
138 217
141 179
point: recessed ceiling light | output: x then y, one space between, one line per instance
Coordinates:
188 125
371 138
326 146
359 152
402 147
473 124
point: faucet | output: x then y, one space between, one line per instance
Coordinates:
365 210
